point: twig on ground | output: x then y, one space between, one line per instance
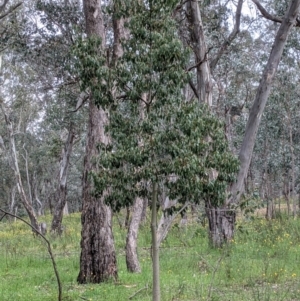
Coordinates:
137 292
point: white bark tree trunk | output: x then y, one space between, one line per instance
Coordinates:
132 261
14 162
61 202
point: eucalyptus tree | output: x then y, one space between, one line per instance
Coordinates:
18 118
177 145
278 141
45 33
49 52
262 95
222 216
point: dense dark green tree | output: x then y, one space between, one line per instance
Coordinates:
156 138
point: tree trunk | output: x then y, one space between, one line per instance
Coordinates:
144 211
98 259
293 197
221 221
261 98
137 211
56 225
132 261
204 83
166 220
270 213
155 247
14 163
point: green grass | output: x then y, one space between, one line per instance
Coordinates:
262 263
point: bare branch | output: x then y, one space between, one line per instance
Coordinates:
200 62
83 97
193 88
2 217
268 16
231 37
141 289
10 10
265 13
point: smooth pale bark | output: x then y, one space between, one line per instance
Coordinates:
261 98
132 261
97 259
204 82
144 211
14 163
166 220
58 213
155 247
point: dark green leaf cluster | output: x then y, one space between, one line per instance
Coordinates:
92 69
156 137
179 151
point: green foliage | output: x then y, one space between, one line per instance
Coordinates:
90 65
155 135
179 151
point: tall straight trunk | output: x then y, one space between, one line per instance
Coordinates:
98 258
155 247
132 261
56 225
270 213
293 196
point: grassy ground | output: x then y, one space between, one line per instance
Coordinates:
262 263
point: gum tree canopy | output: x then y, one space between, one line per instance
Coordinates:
155 135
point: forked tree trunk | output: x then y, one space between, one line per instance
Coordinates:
97 259
166 220
132 261
56 225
